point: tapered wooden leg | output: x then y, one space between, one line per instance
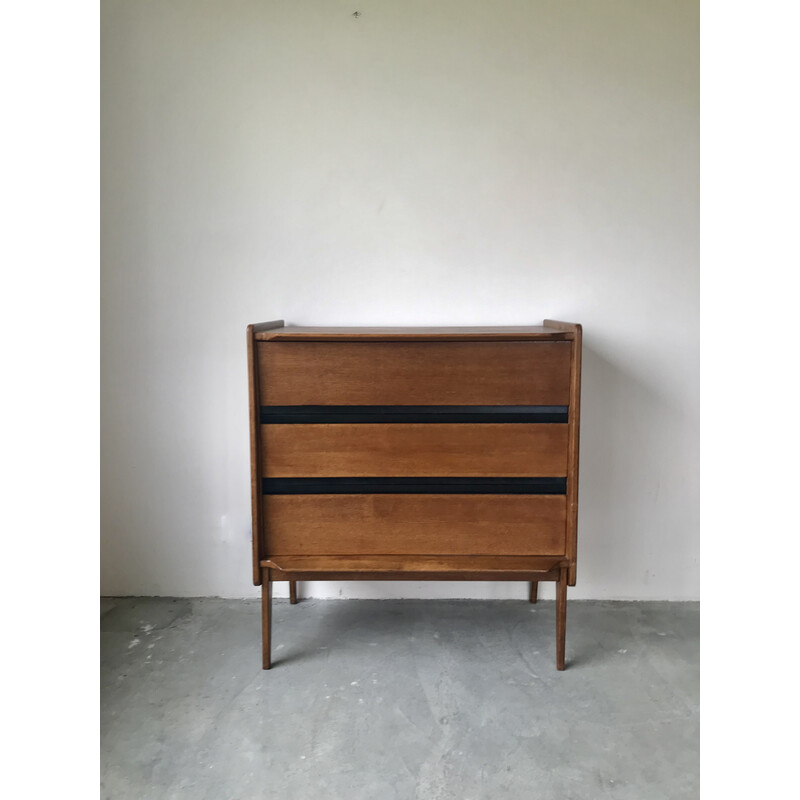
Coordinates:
561 617
292 592
534 591
266 620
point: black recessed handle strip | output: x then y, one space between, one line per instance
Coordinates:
414 485
389 414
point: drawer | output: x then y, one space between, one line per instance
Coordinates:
380 524
414 373
414 449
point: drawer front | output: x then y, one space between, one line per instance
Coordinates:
380 524
414 450
414 373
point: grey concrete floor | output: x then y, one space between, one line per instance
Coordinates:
400 699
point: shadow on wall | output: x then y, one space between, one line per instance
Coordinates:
639 477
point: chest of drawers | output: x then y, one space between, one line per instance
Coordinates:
413 454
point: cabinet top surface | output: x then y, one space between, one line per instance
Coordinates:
293 333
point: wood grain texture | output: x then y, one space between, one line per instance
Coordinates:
293 333
418 564
255 439
415 373
574 442
415 450
401 524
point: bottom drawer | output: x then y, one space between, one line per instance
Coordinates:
404 524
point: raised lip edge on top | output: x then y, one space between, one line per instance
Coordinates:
298 333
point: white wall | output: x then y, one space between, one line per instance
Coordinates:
457 163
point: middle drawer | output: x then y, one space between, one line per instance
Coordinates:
414 450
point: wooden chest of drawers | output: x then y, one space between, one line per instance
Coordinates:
414 453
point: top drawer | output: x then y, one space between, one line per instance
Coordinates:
414 373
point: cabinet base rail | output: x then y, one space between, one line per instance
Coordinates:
345 568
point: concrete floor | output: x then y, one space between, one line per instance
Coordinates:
374 700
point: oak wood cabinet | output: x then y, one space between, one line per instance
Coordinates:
414 453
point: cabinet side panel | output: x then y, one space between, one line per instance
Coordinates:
254 402
572 456
574 440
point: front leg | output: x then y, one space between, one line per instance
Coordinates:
266 619
561 617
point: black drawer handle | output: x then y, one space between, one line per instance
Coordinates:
414 485
389 414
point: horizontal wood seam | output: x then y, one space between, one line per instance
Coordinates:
419 485
272 564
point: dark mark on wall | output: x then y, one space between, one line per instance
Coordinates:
356 14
